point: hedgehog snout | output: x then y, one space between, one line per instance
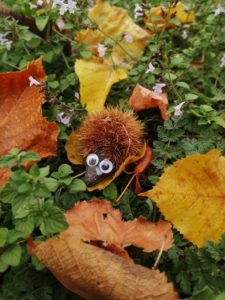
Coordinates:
97 169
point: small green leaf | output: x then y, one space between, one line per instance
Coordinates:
3 236
63 171
3 266
51 184
44 171
25 227
170 76
183 85
25 187
29 156
110 192
12 255
34 171
13 236
205 294
189 97
54 221
86 54
41 22
77 185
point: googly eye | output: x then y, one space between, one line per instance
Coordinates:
106 166
92 160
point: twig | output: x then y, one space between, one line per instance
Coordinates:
160 253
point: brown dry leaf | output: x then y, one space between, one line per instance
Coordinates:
112 22
143 98
166 16
191 195
97 220
94 273
21 122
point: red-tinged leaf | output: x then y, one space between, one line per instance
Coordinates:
97 220
143 98
142 165
21 122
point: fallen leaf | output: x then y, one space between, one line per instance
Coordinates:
143 98
191 195
97 220
114 21
94 89
78 265
159 18
142 165
111 22
21 122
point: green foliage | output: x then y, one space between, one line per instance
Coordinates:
33 202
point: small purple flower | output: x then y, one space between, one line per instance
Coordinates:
219 10
128 37
184 34
158 88
101 50
178 109
150 68
33 81
138 11
63 118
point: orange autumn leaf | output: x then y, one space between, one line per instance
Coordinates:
159 18
21 122
97 220
142 165
143 98
191 195
95 273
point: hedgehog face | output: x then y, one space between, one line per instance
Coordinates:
97 168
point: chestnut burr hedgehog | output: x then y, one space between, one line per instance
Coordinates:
106 139
112 133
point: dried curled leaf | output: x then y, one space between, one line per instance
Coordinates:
97 220
94 273
21 122
143 98
112 22
191 195
159 18
94 89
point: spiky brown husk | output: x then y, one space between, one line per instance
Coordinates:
113 133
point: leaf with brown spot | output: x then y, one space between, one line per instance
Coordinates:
95 273
97 220
191 195
143 98
21 122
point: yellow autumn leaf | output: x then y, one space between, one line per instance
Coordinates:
191 195
96 79
113 21
159 17
98 74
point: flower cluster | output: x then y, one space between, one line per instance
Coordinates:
62 5
219 10
5 42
